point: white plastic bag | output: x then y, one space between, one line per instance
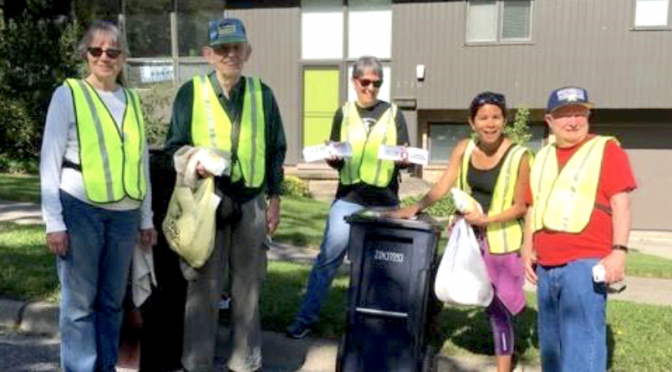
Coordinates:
462 277
190 223
464 203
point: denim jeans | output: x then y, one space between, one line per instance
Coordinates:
332 252
93 276
572 318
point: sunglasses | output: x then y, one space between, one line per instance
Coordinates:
366 82
97 52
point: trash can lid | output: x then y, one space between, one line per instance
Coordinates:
376 216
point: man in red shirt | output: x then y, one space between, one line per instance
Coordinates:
576 234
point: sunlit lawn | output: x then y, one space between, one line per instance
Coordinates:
23 188
639 334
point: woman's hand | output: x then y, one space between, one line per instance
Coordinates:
404 162
476 218
334 161
403 213
58 242
147 238
530 264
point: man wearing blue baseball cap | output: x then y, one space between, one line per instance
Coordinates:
237 115
576 234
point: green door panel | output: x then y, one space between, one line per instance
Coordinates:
320 101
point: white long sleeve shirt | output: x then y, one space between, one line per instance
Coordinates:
60 142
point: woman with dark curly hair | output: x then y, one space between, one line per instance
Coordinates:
495 171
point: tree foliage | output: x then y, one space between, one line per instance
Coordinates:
519 130
37 46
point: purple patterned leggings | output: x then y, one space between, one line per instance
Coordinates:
501 323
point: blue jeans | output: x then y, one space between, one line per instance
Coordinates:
572 318
93 276
332 252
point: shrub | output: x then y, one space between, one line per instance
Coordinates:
17 130
18 166
36 55
295 187
442 208
156 103
519 130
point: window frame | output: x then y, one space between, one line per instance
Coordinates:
499 40
447 124
666 27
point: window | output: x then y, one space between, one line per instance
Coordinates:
499 20
539 133
652 13
322 29
369 28
143 22
443 137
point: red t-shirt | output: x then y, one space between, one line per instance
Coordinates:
557 248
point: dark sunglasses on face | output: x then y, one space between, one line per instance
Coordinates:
366 82
97 52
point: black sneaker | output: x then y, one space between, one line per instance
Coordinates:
298 330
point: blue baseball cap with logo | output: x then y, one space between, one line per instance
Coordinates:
568 96
225 31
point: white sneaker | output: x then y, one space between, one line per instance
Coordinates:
224 303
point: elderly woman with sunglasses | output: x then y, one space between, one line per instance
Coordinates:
495 172
96 201
365 181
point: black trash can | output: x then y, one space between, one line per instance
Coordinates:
163 312
390 283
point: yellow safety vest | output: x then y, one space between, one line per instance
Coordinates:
503 237
211 127
364 165
110 159
564 201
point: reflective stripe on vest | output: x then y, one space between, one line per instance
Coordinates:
111 163
212 128
364 165
503 237
564 201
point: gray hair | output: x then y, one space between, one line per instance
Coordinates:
367 63
110 30
106 27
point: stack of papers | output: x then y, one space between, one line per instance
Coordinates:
325 151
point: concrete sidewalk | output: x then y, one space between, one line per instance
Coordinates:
281 354
20 212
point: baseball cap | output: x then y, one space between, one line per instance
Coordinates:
568 96
227 30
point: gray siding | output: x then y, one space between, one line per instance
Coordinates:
647 143
574 42
274 34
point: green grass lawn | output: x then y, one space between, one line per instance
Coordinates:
638 334
302 222
648 266
24 188
28 269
